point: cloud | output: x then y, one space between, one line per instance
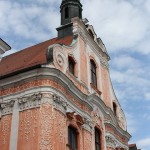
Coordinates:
147 96
125 61
131 123
144 143
29 21
146 116
130 77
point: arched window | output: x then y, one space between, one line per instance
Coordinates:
93 73
72 138
71 63
115 108
66 12
97 139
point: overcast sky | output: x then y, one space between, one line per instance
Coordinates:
124 27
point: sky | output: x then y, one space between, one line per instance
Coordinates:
124 27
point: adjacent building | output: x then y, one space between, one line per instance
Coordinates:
58 95
133 147
3 47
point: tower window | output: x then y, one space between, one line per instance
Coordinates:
66 12
80 13
93 73
97 139
72 138
115 108
71 65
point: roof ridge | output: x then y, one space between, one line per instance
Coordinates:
29 47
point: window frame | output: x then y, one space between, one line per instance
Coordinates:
93 73
115 108
71 65
72 138
97 139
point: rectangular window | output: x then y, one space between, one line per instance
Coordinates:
93 73
72 138
97 140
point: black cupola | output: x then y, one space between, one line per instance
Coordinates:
68 9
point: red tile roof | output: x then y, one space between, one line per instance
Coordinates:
132 145
29 57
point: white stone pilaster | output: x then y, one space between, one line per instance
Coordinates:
14 127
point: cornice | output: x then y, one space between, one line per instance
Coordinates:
118 130
107 112
114 143
48 73
102 106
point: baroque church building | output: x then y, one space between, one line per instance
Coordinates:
58 95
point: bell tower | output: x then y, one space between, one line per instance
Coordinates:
68 9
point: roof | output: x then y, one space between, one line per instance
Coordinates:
29 57
132 147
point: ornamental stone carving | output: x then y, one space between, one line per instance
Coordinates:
31 101
60 60
110 142
97 117
56 101
7 107
104 63
47 98
88 125
59 104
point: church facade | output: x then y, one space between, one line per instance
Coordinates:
58 95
